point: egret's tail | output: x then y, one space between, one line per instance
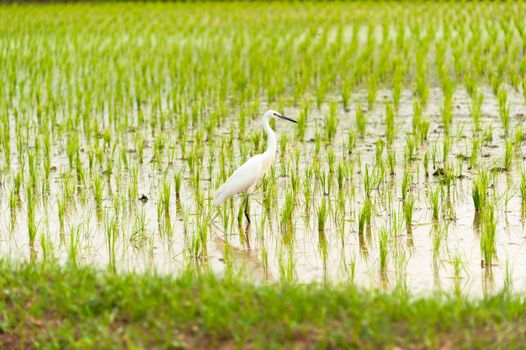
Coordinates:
219 198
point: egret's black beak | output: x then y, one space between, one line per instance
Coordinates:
287 118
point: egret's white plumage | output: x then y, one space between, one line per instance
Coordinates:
248 175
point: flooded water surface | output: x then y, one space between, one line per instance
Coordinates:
406 169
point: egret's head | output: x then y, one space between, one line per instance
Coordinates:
271 114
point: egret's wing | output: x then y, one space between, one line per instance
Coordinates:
244 177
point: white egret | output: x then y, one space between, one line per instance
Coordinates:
248 175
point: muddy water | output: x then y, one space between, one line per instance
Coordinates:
262 251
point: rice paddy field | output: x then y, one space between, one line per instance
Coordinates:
394 214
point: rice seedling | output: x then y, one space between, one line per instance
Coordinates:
523 191
331 123
422 129
417 114
488 236
391 161
447 114
371 180
390 131
446 148
406 184
111 237
439 235
425 160
408 208
475 109
398 76
507 288
508 155
72 148
346 93
380 145
399 114
47 248
74 244
479 191
165 195
97 191
302 123
31 220
365 216
487 134
361 121
322 215
504 109
434 200
422 87
458 267
383 244
287 213
351 141
33 176
410 149
519 137
372 89
475 149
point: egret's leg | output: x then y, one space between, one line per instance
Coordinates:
247 208
247 236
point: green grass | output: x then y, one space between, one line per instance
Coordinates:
119 122
48 307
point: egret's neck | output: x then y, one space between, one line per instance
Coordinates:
271 138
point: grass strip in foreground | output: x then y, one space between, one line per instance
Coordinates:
64 307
